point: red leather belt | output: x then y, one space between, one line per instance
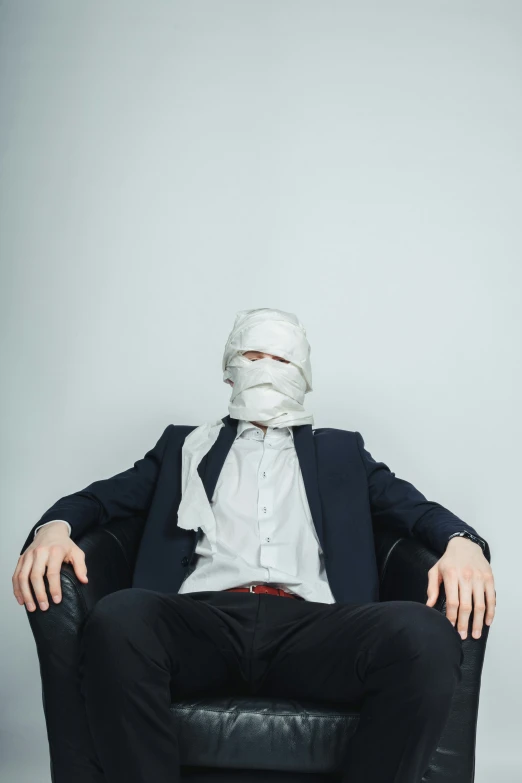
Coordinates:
264 589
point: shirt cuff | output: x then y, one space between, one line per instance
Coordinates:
50 522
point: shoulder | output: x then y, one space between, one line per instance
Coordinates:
336 437
173 429
335 433
181 429
176 433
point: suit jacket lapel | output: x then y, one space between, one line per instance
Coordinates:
305 448
210 466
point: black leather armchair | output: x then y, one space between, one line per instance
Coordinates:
237 740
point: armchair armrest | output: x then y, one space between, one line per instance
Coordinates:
403 568
403 573
110 553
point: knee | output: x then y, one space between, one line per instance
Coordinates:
111 630
427 637
116 615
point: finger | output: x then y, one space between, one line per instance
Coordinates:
465 606
36 576
23 581
78 561
491 598
479 607
433 586
451 587
54 567
16 583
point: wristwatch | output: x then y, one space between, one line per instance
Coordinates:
465 534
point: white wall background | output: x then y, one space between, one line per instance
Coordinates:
165 164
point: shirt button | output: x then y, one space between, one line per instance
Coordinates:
264 509
264 474
267 539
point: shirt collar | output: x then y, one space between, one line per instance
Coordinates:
271 432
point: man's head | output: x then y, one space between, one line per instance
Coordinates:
266 332
267 362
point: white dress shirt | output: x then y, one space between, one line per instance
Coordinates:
264 528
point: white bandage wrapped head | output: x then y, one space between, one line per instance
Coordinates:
266 390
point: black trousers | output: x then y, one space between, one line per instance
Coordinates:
141 649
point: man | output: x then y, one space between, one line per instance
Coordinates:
257 508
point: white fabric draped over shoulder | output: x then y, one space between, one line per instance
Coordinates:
194 509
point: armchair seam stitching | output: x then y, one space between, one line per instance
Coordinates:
387 559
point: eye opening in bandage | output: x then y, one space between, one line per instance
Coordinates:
279 355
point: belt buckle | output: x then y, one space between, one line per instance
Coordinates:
251 588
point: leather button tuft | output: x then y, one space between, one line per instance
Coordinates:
185 561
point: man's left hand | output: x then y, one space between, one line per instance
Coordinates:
466 575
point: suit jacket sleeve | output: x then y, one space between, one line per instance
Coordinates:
397 504
126 494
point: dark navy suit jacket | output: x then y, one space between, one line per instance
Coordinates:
348 492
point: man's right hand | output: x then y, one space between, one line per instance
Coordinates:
51 547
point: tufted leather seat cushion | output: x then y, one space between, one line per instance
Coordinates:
263 733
